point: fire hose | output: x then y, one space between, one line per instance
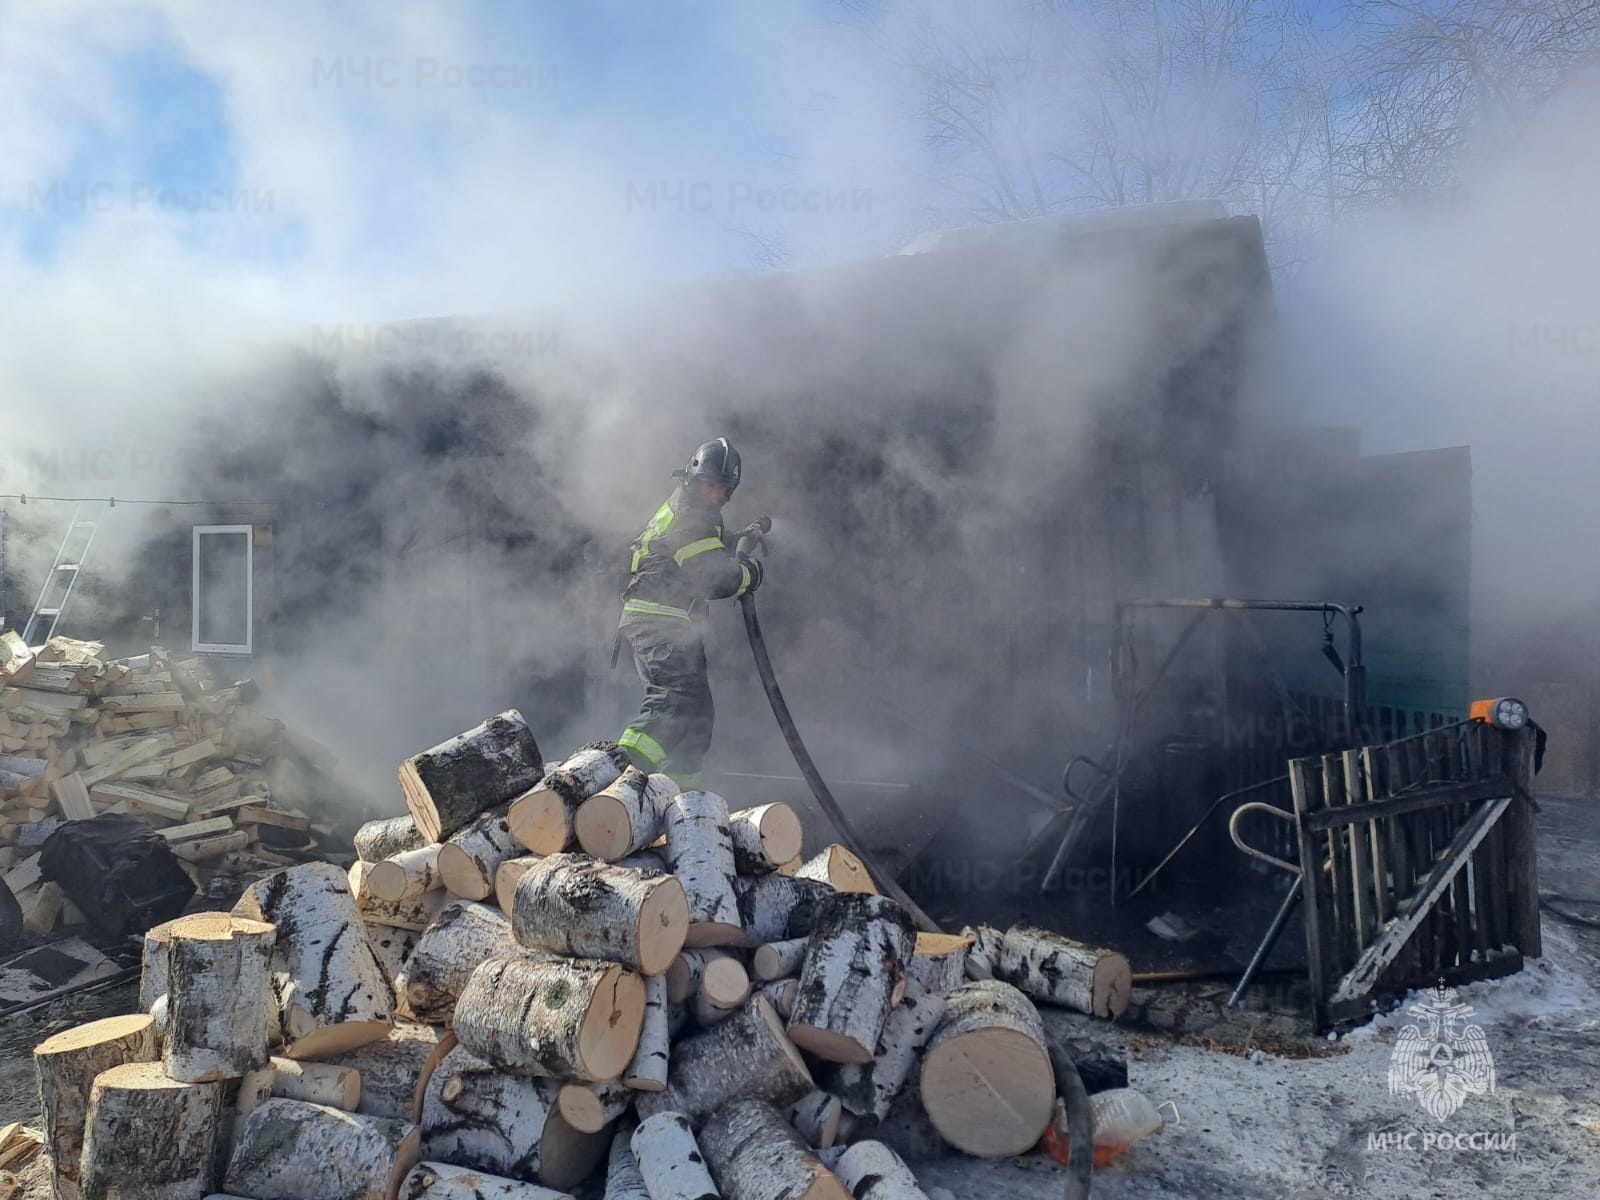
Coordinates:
1069 1084
749 539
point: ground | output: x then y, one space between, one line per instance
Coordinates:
1294 1121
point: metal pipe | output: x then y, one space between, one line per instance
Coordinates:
1271 940
1355 671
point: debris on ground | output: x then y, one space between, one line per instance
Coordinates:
158 737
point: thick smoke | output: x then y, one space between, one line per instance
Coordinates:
451 500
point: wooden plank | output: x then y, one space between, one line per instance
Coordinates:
16 660
197 829
72 798
1522 857
1346 914
1361 977
52 703
1416 775
213 778
197 752
1440 828
24 875
1360 836
1424 799
259 814
141 751
1315 893
216 809
145 800
1485 900
150 702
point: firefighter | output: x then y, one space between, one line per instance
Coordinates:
680 562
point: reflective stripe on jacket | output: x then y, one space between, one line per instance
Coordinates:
680 558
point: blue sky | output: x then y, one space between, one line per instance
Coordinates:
591 103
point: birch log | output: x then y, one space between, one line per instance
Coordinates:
624 1179
707 1011
1053 969
714 974
686 971
700 854
765 838
441 1181
590 1107
622 818
476 1115
779 960
391 946
940 961
815 1117
405 876
840 869
148 1136
330 991
648 1070
378 840
869 1089
317 1083
670 1160
571 904
542 816
66 1066
489 765
291 1150
449 950
984 954
872 1171
395 1072
755 1155
411 912
986 1082
219 998
746 1055
153 965
654 859
469 860
854 965
781 993
775 908
571 1017
506 877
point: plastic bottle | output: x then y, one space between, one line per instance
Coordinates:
1121 1117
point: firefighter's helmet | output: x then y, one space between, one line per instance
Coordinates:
715 462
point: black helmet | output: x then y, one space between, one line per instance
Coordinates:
715 462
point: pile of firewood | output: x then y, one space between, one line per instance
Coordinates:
543 969
154 735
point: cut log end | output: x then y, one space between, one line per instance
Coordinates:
337 1039
828 1045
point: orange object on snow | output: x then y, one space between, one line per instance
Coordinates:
1122 1117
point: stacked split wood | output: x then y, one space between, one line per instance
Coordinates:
158 736
646 989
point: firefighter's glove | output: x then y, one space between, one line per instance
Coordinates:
753 574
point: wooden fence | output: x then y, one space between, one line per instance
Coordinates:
1424 863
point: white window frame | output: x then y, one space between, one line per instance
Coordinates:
249 591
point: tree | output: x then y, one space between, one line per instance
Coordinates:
1270 106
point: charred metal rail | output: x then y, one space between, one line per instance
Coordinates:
1352 668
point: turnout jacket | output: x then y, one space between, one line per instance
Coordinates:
680 558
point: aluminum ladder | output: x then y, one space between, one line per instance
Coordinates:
63 576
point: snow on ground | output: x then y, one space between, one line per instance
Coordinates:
1258 1125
